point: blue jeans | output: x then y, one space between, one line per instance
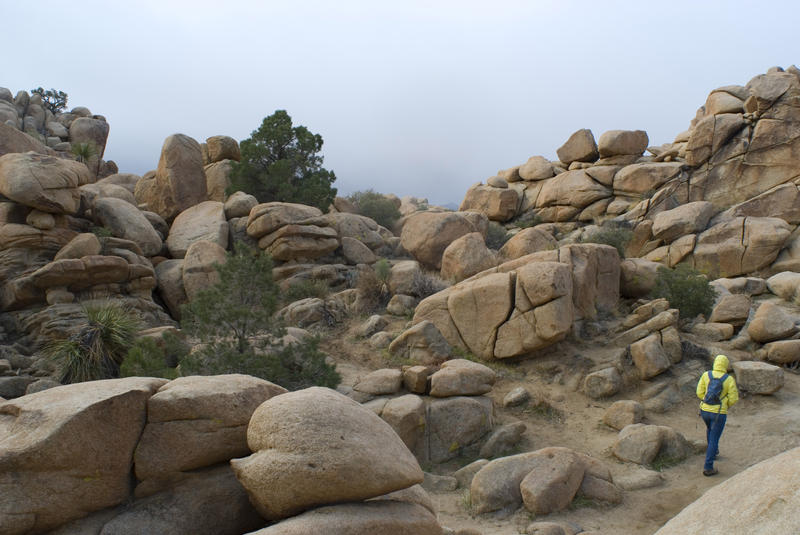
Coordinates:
715 423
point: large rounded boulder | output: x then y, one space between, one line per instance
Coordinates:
317 447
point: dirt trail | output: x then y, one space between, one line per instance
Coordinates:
758 427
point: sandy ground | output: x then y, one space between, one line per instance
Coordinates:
758 427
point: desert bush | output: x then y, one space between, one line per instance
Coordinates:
686 289
101 232
149 358
98 348
425 284
84 152
373 293
496 235
294 366
376 206
234 321
383 270
305 288
528 219
612 233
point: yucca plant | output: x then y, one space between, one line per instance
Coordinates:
84 152
97 350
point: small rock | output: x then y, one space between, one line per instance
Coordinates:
380 340
401 305
497 182
502 440
622 413
603 383
415 379
770 323
640 479
516 397
373 324
465 474
783 351
714 332
436 483
40 385
758 377
380 382
461 377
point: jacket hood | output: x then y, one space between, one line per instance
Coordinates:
721 364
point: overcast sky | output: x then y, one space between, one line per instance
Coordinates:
415 98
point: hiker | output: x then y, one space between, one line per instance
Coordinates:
718 391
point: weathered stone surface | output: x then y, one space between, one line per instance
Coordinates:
14 141
199 267
203 221
516 397
497 203
169 275
179 181
127 222
614 142
81 245
783 351
427 234
496 485
733 309
401 305
239 204
460 377
785 285
423 343
602 383
298 437
573 188
300 242
369 518
218 180
770 510
781 201
553 482
649 356
380 382
580 147
67 451
355 252
758 377
527 241
415 378
714 332
740 245
770 323
641 443
638 277
406 415
502 440
221 148
208 502
198 421
268 217
43 182
690 218
623 413
465 257
640 178
536 168
456 423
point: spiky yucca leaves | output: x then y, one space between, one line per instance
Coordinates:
84 152
97 350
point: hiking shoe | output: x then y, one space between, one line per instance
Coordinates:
711 472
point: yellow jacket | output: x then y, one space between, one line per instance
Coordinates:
729 394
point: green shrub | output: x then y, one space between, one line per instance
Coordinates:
376 206
686 289
294 367
528 219
612 233
306 288
101 232
97 349
496 236
154 358
84 152
383 270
